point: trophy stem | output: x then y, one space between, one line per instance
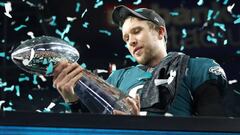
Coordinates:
99 96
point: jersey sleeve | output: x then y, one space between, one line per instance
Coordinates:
202 70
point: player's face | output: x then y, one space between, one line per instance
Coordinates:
143 43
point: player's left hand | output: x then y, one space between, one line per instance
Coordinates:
135 105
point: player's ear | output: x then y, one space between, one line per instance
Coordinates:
161 32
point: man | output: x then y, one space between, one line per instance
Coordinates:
171 84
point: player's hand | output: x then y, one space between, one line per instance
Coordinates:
135 105
65 76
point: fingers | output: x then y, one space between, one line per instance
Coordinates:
67 73
117 112
58 68
135 105
65 77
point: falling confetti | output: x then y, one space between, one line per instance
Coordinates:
8 9
137 2
98 3
131 58
105 32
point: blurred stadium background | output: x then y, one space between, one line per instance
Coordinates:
199 28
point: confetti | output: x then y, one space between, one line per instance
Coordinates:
131 58
174 13
49 68
85 25
8 109
77 9
31 34
210 12
35 79
232 81
237 21
98 3
71 19
27 19
85 11
30 97
9 88
2 102
105 32
8 8
184 33
20 27
17 90
220 25
70 42
53 22
2 54
21 79
3 84
200 2
66 30
211 39
83 65
137 2
225 42
225 2
229 8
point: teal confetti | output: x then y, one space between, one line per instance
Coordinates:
8 109
211 39
174 13
238 52
49 68
2 54
3 84
200 2
237 21
220 25
30 97
3 41
19 27
27 19
85 25
131 58
66 30
83 65
184 33
220 35
70 42
85 11
45 61
53 22
10 103
216 15
105 32
17 90
35 79
98 3
7 57
225 42
77 7
137 2
21 79
2 4
225 2
9 88
209 16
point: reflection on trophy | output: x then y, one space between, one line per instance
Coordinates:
41 54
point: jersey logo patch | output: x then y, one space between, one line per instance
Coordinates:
217 70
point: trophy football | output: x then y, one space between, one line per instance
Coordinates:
39 56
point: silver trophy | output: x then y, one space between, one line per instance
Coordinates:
39 56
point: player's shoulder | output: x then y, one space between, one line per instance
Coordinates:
200 66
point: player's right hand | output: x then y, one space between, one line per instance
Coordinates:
65 76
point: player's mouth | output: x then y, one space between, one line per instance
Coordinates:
137 50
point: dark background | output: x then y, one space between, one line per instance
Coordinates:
98 49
